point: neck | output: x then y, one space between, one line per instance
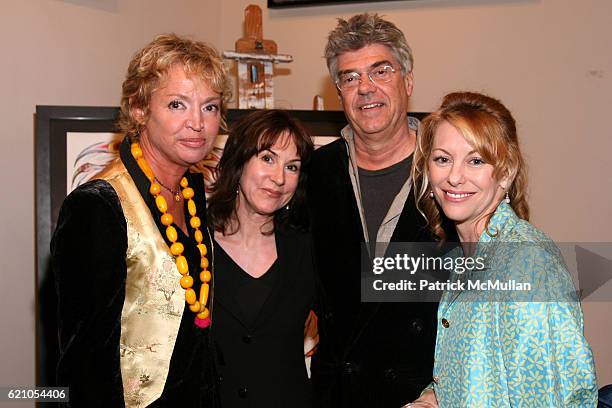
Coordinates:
381 152
252 224
167 172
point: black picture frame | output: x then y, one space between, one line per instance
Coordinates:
303 3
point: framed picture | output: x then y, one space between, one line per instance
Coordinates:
301 3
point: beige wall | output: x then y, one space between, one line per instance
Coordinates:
550 61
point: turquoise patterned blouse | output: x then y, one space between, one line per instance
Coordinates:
494 348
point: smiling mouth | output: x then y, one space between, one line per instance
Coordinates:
273 193
371 106
457 196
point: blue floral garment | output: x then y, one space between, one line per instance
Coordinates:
498 350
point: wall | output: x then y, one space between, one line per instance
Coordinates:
550 61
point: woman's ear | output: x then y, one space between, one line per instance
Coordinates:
506 181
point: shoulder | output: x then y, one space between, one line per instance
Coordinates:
98 193
294 236
330 151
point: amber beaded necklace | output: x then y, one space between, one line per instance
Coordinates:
198 306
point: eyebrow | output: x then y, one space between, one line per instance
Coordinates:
184 96
371 67
297 159
445 151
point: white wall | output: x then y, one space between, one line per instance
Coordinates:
549 60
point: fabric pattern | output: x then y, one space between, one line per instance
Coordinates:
494 351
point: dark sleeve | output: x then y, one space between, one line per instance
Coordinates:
88 252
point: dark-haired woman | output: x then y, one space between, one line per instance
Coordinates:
265 280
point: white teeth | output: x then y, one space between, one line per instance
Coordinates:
372 105
453 195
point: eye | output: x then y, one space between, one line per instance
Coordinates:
213 107
349 78
267 158
382 72
477 161
293 168
441 160
176 104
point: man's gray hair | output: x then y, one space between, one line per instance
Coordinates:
362 30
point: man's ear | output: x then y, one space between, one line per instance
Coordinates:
409 83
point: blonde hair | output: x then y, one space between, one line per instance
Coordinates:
149 67
488 126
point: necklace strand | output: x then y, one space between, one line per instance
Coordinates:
176 193
196 305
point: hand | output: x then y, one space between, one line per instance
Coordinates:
426 400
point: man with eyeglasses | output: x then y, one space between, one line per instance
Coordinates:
369 354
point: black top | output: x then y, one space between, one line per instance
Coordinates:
88 259
259 327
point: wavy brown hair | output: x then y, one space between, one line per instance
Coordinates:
488 126
252 134
150 66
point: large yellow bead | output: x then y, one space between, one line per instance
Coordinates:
186 282
181 264
144 166
190 296
195 222
198 236
204 293
184 183
191 207
204 263
195 308
188 193
205 276
177 248
161 203
155 189
167 219
171 233
203 314
136 151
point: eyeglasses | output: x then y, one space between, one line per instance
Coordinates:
378 75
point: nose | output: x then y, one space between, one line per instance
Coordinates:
196 122
456 175
366 85
278 175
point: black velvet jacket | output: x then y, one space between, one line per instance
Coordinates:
88 259
369 354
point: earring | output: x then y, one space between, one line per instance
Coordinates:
507 199
431 195
287 207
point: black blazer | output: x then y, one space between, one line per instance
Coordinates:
262 365
369 354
